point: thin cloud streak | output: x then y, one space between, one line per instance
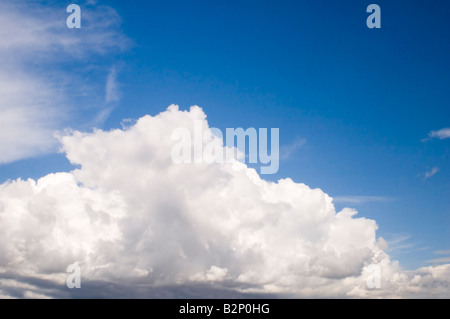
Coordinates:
439 260
112 93
442 252
287 151
431 173
361 199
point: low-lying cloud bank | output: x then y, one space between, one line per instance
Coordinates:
140 225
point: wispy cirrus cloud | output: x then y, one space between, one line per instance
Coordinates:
286 151
112 93
361 199
431 173
400 242
442 252
441 260
37 84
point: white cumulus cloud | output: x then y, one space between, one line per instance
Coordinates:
133 219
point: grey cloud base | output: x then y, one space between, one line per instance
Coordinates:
141 226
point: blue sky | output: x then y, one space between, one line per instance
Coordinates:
362 100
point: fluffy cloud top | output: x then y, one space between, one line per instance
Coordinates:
133 219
